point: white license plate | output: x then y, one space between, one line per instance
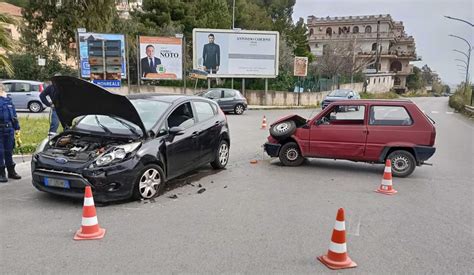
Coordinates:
56 183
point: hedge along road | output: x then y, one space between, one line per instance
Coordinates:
261 218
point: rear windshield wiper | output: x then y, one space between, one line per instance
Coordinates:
129 127
102 125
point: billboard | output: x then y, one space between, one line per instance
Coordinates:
161 58
119 43
300 67
231 53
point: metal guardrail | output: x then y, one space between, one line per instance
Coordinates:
469 109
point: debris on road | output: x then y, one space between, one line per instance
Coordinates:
202 190
225 186
199 185
254 161
173 196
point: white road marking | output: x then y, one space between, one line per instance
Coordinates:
449 113
434 112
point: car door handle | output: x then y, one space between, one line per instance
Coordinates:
28 94
217 122
195 134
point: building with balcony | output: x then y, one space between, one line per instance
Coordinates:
379 44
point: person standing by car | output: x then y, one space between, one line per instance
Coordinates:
8 126
54 121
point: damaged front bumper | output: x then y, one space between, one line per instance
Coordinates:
272 149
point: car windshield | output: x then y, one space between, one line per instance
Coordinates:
339 93
150 112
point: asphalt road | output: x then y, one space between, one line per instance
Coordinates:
262 218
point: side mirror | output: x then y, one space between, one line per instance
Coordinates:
319 122
176 131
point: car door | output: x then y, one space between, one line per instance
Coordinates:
340 135
182 150
227 100
209 129
21 94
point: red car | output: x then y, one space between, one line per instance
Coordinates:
369 131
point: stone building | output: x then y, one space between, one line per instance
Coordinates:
386 68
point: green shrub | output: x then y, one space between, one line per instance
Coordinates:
456 102
389 95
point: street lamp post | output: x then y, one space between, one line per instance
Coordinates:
468 61
470 49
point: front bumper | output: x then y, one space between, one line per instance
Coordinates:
111 183
272 149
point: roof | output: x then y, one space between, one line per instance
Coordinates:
373 101
12 10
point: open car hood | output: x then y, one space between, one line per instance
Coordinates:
76 97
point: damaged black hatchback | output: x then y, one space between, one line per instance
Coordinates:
126 147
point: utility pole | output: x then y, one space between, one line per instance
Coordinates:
377 57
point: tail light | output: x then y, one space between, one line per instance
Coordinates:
41 88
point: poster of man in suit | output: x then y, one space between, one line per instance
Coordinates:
149 63
161 58
211 55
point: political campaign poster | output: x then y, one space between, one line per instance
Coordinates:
300 66
161 58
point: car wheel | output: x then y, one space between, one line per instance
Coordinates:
35 107
290 154
403 163
222 155
239 109
283 129
150 182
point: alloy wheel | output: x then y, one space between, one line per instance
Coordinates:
149 183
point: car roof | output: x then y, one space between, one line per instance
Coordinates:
376 101
170 98
22 81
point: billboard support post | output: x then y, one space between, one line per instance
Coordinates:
78 54
139 76
243 86
266 90
127 53
184 63
232 83
208 83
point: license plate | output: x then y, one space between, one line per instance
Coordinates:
56 183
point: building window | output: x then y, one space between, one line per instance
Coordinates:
368 29
311 32
379 79
397 81
396 66
374 47
355 29
329 31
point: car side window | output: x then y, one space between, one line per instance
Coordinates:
345 115
213 94
204 110
389 116
22 87
8 87
229 94
182 116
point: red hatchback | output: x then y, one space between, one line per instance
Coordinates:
362 130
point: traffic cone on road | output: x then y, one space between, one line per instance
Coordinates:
90 229
264 123
337 257
386 185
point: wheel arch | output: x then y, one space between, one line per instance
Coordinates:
389 149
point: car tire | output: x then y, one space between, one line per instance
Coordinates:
283 130
146 185
290 154
222 155
35 107
239 109
403 163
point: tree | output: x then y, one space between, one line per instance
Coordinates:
299 40
415 80
6 43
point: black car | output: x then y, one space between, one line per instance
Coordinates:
229 100
126 147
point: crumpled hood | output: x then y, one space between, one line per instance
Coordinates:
75 97
299 120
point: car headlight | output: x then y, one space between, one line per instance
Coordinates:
41 146
117 153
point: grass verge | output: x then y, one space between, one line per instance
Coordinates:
33 131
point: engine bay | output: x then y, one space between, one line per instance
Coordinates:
81 147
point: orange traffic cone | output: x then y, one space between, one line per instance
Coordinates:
337 257
386 185
90 229
264 123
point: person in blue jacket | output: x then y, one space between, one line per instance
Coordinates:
8 126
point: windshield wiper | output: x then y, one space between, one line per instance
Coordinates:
129 127
102 125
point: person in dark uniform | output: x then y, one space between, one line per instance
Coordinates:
50 92
211 56
149 63
8 126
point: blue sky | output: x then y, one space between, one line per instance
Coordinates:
423 19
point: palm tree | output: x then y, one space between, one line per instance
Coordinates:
6 44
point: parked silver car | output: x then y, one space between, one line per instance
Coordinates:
25 94
229 100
